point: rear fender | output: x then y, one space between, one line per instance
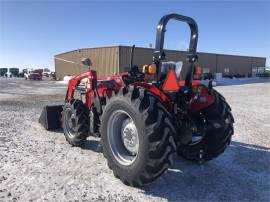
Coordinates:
204 100
156 92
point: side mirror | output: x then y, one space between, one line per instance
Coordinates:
87 62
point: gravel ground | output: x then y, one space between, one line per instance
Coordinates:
37 165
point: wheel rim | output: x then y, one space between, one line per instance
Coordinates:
198 130
70 123
123 137
196 138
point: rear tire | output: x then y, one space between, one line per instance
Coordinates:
75 119
154 132
218 132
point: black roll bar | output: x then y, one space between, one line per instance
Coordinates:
159 54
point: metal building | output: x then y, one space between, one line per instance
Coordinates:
115 59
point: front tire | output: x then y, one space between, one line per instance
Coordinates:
217 135
75 118
142 113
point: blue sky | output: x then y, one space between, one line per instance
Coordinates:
32 32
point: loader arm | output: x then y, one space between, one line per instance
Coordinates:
91 83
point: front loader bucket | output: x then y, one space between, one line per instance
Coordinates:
50 117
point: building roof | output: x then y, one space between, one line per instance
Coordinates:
113 46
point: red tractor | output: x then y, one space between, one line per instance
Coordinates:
146 115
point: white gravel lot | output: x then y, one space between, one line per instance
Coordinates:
37 165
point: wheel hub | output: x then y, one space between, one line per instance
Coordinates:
123 137
196 138
71 121
130 136
197 129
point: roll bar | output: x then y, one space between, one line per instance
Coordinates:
159 54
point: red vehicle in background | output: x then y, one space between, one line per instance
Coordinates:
33 76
